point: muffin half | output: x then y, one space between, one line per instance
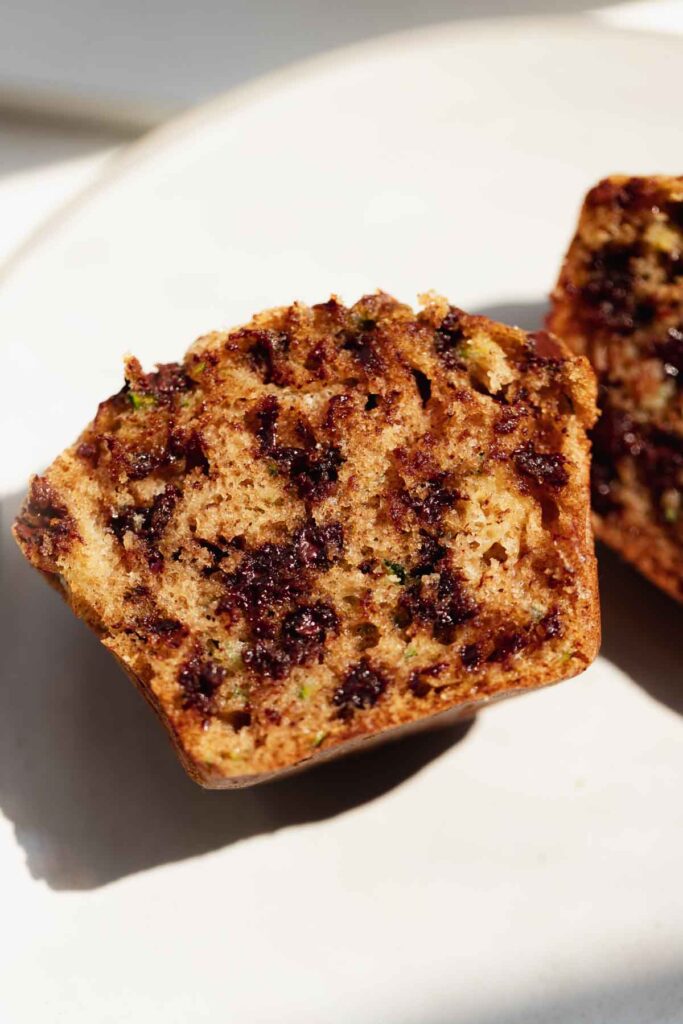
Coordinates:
330 525
619 300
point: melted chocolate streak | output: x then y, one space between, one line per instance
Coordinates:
312 468
268 588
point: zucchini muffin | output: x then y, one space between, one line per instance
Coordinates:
330 525
619 300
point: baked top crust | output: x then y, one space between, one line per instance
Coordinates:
328 525
619 300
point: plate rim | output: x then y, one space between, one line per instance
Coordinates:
255 89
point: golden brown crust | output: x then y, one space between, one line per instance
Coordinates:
619 300
330 526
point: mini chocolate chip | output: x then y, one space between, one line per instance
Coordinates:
544 468
361 687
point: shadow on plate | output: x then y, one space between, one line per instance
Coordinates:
88 777
641 630
655 996
527 315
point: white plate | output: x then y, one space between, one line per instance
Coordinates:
531 871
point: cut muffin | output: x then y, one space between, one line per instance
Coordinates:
619 300
330 525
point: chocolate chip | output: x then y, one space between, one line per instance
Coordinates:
423 385
199 678
471 656
269 587
44 526
312 469
443 606
546 469
551 625
361 687
160 386
448 336
363 346
506 645
431 498
670 351
268 352
609 298
147 523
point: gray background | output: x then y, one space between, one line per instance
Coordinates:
159 55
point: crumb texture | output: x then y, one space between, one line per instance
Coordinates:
330 523
619 300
